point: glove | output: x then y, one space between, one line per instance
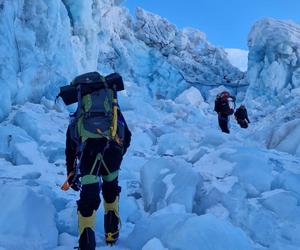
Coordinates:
72 181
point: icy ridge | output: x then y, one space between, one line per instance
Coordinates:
198 62
44 45
273 74
274 58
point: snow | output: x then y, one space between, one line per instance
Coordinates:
184 183
160 188
219 184
187 229
286 138
238 58
154 244
19 223
193 97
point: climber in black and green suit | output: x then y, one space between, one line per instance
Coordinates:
100 158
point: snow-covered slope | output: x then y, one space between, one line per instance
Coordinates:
181 177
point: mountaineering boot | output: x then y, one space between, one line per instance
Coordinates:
111 221
86 227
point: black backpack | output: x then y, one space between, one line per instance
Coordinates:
97 111
222 103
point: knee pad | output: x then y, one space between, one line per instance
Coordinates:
89 199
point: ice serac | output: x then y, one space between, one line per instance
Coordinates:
35 50
198 62
154 53
274 77
274 58
43 45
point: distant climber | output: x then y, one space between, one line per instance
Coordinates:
97 139
222 107
241 116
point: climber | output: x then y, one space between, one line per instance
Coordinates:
222 107
96 141
241 116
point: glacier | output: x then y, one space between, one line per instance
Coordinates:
273 74
63 39
185 185
274 54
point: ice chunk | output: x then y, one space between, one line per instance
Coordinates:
141 142
173 144
26 215
161 188
255 179
191 96
154 244
286 138
39 122
187 231
67 219
18 147
66 239
283 203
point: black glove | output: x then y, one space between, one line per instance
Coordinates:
74 181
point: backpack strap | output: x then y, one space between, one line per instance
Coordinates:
78 111
114 126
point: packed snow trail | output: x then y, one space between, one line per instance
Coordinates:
181 176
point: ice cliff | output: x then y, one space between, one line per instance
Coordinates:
44 45
274 58
274 77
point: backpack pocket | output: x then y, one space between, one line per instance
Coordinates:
97 123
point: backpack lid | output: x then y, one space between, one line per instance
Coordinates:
89 83
90 77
